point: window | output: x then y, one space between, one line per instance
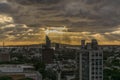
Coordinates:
92 72
93 63
100 76
96 77
96 54
93 68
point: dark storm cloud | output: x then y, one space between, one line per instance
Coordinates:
30 2
4 8
104 10
93 8
99 16
97 26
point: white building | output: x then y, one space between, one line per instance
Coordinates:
90 62
20 70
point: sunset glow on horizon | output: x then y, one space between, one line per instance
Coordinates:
29 22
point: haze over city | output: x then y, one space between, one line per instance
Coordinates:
24 22
59 39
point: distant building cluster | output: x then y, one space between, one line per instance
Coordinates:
84 62
88 64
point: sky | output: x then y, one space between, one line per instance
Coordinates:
24 21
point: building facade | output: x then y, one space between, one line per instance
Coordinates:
20 71
90 62
47 52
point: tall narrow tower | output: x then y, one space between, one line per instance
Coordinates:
48 42
47 52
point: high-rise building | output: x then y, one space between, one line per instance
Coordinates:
94 44
82 43
47 52
48 42
47 55
90 62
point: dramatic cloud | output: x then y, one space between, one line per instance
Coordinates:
103 12
30 2
99 18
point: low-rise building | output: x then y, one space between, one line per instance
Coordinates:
19 71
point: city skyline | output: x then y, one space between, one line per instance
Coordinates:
23 21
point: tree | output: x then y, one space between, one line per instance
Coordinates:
46 74
40 66
5 78
51 74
